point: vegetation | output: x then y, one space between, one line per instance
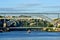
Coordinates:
30 22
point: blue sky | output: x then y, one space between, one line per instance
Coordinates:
33 6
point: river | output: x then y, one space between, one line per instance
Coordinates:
23 35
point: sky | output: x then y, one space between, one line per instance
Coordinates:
30 6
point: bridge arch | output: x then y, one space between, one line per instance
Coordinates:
34 16
44 17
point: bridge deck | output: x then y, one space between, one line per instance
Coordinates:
29 27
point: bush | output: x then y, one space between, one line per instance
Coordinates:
50 25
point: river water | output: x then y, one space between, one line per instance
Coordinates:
23 35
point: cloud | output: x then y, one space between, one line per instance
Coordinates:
13 9
33 4
51 7
28 5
